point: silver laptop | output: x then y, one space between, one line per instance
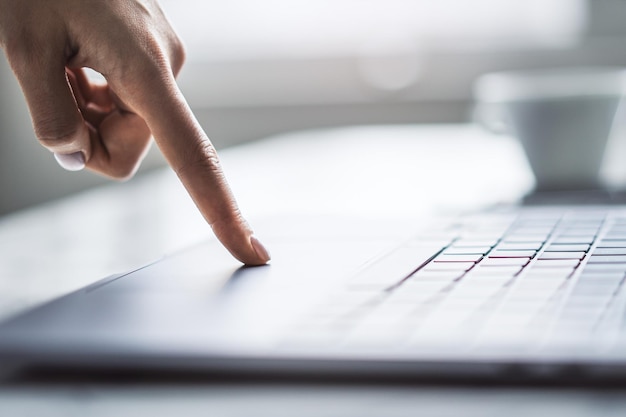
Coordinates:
507 293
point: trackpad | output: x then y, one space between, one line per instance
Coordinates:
197 299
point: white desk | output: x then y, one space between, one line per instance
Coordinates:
383 173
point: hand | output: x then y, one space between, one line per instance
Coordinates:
108 128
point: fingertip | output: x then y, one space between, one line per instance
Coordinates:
261 251
240 241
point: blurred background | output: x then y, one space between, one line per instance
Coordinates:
258 68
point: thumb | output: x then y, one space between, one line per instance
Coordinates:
57 120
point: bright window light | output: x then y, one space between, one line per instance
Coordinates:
249 29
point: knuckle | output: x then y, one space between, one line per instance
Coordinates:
158 62
138 69
202 158
141 64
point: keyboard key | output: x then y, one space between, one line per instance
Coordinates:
421 242
416 296
555 263
468 243
519 246
601 288
536 286
586 300
578 315
609 243
475 250
512 254
579 236
489 237
600 275
607 259
610 251
547 274
530 227
419 290
595 290
562 255
542 292
437 275
577 231
488 272
478 288
604 267
504 262
567 248
614 237
448 266
617 232
582 240
525 238
458 258
465 304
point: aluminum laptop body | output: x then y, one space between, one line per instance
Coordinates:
506 293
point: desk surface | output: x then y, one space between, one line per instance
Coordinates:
382 175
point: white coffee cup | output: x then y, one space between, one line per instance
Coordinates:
562 117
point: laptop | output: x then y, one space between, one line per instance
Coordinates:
532 292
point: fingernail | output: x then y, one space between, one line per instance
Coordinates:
260 250
72 161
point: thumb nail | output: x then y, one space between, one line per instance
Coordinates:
72 161
260 250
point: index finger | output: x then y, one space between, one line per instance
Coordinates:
191 154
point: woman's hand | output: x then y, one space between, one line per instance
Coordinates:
108 128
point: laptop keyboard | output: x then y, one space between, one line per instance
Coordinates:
530 279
